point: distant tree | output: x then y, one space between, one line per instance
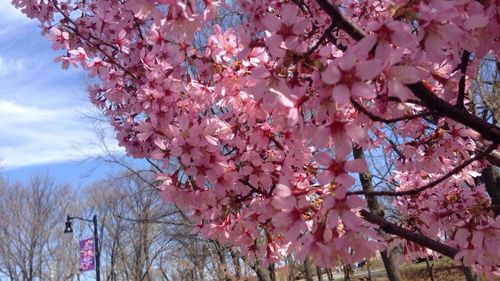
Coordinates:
32 245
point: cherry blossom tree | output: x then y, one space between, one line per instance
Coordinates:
254 109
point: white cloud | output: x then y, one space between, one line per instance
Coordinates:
11 66
32 135
10 14
41 106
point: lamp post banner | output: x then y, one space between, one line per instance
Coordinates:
87 253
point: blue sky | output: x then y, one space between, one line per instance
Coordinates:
44 112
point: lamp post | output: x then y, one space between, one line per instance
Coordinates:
69 229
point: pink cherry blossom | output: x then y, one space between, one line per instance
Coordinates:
254 109
349 77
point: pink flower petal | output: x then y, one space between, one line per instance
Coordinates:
271 22
325 177
341 94
407 74
323 159
355 132
367 70
331 75
284 203
282 190
364 90
355 202
343 147
396 89
345 180
476 21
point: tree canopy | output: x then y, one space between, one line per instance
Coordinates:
261 112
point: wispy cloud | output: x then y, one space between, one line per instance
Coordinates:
41 105
11 66
10 14
32 136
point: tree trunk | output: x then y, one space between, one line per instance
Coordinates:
262 273
391 268
368 269
469 274
329 273
272 271
319 273
291 267
374 206
221 253
429 268
236 264
347 272
308 269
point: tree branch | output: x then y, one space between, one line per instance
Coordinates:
417 238
325 34
95 45
487 130
340 21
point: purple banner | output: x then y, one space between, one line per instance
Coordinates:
87 261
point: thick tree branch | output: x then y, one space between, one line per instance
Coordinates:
487 130
493 157
417 238
341 21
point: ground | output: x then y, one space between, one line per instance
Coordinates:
443 270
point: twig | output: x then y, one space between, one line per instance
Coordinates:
95 45
396 149
253 188
325 34
154 165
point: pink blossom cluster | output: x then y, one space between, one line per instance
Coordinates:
255 106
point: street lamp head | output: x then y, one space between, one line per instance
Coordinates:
68 228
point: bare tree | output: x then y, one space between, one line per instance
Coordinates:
31 244
132 236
